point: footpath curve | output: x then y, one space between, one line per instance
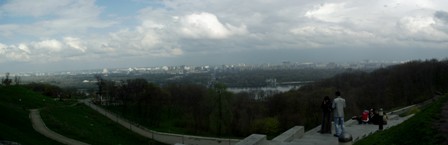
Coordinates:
39 126
168 138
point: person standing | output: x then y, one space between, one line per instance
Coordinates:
338 106
326 107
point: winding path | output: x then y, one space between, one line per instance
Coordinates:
168 138
39 126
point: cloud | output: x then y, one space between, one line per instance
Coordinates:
2 48
33 8
441 19
24 48
51 45
176 51
75 43
420 28
207 25
327 12
441 15
52 17
20 52
58 30
333 36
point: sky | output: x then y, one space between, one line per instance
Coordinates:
51 35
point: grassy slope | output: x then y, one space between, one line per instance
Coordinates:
418 130
78 122
82 123
15 124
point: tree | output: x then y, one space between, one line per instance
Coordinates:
17 80
6 81
100 83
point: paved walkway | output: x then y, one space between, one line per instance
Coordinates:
168 138
39 126
358 131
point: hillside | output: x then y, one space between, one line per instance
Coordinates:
15 124
67 118
195 109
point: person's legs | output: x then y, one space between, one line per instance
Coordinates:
336 126
341 120
339 125
322 126
327 123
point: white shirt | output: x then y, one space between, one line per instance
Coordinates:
338 106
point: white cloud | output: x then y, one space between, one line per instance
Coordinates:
416 24
207 25
329 12
75 43
420 28
176 51
52 17
51 45
140 39
24 48
3 48
54 30
333 36
20 52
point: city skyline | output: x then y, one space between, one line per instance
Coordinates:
55 35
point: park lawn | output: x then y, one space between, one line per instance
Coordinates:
15 124
82 123
167 125
418 130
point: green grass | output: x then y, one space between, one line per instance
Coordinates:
14 123
418 130
77 122
82 123
166 125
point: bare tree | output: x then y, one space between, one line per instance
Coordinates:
17 80
99 83
6 81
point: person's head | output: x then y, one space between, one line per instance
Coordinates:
337 93
326 98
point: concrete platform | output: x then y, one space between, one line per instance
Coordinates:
358 131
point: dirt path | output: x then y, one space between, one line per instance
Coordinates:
39 126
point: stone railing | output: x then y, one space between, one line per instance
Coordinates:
289 135
254 139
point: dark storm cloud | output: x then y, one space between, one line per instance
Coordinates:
442 15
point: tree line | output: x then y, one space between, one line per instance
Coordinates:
196 109
388 88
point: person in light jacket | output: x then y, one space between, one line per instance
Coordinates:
338 106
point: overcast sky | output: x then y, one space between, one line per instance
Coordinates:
49 35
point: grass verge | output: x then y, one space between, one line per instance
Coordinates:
418 130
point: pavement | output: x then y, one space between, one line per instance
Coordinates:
358 131
39 126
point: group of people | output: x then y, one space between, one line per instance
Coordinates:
336 106
370 117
